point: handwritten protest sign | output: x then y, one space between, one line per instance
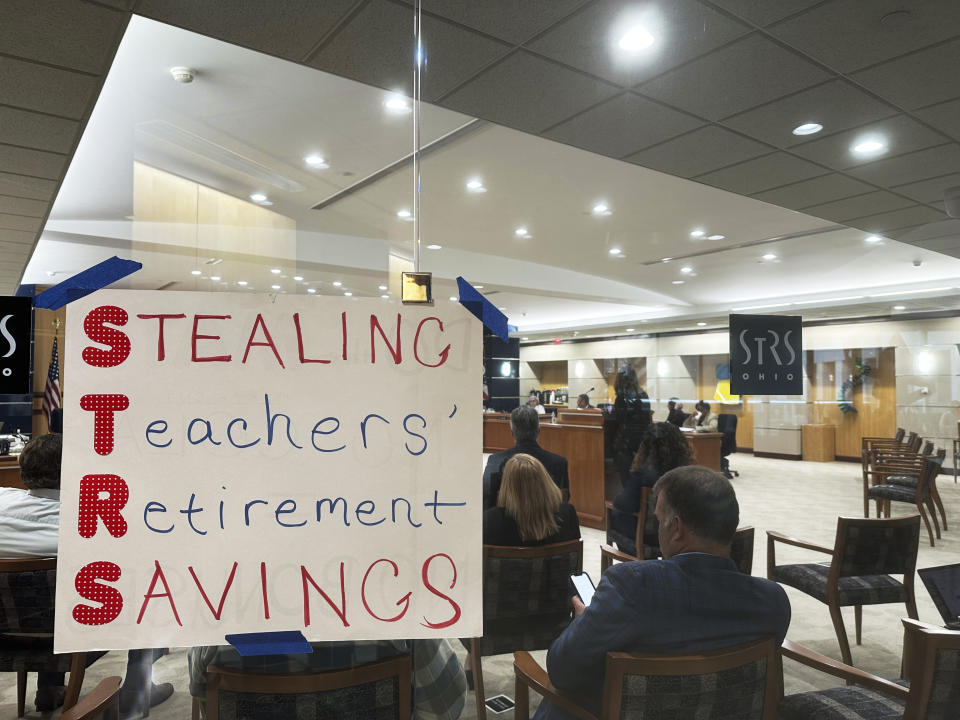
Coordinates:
241 463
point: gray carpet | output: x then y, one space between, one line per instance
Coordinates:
797 498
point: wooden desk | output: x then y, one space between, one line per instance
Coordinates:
573 416
581 445
706 447
10 471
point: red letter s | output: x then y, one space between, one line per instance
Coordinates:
94 325
110 599
426 583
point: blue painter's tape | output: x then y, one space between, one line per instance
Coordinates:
86 282
484 310
25 290
284 642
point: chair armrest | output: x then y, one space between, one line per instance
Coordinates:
96 701
528 672
808 657
772 535
615 554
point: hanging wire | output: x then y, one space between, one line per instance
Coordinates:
418 64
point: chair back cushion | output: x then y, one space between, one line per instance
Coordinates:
26 601
526 600
378 700
877 547
727 424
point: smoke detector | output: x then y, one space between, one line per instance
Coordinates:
183 74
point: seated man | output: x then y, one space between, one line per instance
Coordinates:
583 402
534 402
525 426
29 521
693 600
439 686
675 414
703 420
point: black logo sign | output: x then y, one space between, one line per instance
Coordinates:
15 324
766 355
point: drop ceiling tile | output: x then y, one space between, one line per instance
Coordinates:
903 135
764 12
31 188
906 217
814 191
505 19
17 237
373 49
868 204
684 29
69 34
35 163
29 129
700 151
945 117
929 191
37 87
847 34
622 126
763 173
285 28
735 78
837 105
19 222
22 206
921 78
528 93
929 163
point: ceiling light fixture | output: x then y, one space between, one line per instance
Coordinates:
873 239
385 296
215 278
298 278
397 104
666 259
258 197
454 298
348 293
275 287
686 269
615 251
316 161
769 256
524 338
404 214
381 287
601 208
698 233
631 329
196 272
434 247
869 146
337 283
636 39
242 283
311 290
478 287
522 232
807 129
276 271
899 307
678 282
716 237
701 324
475 185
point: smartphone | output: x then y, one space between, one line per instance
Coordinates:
583 586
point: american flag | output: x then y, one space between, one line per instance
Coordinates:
51 391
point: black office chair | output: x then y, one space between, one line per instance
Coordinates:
727 424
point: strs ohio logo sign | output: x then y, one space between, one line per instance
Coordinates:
766 355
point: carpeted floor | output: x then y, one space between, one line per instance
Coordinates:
797 498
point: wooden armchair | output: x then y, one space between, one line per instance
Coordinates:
622 548
865 553
735 684
741 552
102 702
931 664
526 601
379 689
910 480
26 606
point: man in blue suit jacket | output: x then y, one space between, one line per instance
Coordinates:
525 426
694 600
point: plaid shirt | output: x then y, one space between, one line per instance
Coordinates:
438 682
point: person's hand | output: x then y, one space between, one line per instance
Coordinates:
578 606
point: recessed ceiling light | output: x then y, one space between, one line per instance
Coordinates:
475 185
316 161
807 129
196 272
478 287
686 270
214 261
770 256
615 251
716 237
454 298
698 233
873 239
298 278
666 259
337 283
701 324
276 271
397 104
678 282
258 197
601 208
381 287
242 283
404 214
502 309
311 290
215 278
385 296
636 39
869 146
631 329
522 232
899 307
348 293
434 247
275 287
524 338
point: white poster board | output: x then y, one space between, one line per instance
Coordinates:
247 463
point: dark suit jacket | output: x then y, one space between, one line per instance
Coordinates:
691 602
555 464
501 529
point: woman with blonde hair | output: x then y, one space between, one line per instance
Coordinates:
530 509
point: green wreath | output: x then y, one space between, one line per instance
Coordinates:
852 382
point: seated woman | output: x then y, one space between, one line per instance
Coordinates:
530 509
662 448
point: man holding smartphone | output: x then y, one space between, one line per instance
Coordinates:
693 600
